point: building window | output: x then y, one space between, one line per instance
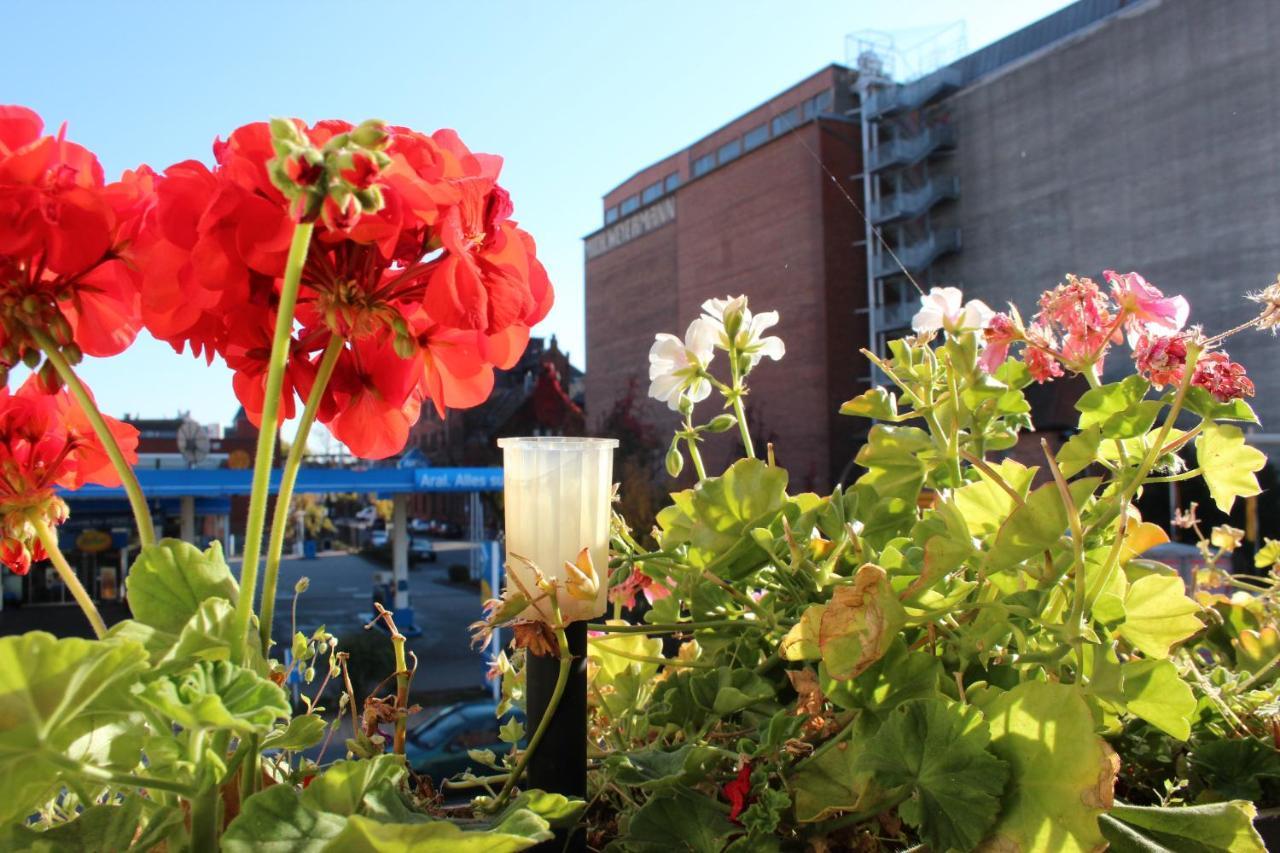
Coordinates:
703 165
651 192
818 104
629 205
786 121
672 181
756 137
730 151
610 215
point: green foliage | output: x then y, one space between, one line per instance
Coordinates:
1060 772
1229 464
65 703
1214 828
169 581
678 819
933 755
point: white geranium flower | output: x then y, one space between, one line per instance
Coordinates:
942 309
749 339
676 367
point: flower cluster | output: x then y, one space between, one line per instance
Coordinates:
416 266
65 240
46 440
678 369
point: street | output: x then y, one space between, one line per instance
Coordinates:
339 597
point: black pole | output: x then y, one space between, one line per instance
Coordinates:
559 764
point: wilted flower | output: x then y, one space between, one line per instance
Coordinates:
1186 520
731 317
1001 332
677 369
581 580
1226 537
1041 364
1269 299
1221 377
1163 360
942 308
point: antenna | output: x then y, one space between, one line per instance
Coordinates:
193 442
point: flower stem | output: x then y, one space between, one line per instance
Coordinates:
562 678
128 479
205 820
267 437
68 576
402 693
289 477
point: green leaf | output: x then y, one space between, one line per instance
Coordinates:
98 827
1236 769
1154 691
1229 464
363 835
713 517
654 768
1158 615
738 689
1079 452
1061 774
1117 408
899 676
1200 402
678 819
302 732
830 783
60 698
556 809
170 579
859 623
1268 555
512 731
1213 828
878 403
342 787
985 505
1030 529
277 821
801 640
935 752
892 459
218 695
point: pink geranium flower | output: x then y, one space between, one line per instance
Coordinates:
1163 360
1144 307
1000 334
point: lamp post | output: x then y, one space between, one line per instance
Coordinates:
556 492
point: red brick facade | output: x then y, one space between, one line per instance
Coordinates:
770 223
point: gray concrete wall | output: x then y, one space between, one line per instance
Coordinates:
1152 143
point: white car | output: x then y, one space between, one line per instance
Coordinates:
378 538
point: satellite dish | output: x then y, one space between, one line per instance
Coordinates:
193 442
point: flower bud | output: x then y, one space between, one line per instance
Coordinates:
301 586
72 354
30 305
284 131
721 423
31 358
675 462
581 580
340 210
404 346
370 133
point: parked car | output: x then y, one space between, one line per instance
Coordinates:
421 550
439 746
379 538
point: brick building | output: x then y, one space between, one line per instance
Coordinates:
1134 134
756 207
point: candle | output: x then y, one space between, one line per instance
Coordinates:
556 491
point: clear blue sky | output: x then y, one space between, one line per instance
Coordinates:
576 96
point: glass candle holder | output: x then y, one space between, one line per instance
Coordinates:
556 492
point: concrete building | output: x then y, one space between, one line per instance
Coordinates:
756 207
1128 134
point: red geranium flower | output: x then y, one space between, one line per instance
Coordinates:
46 441
738 792
65 241
414 264
1221 377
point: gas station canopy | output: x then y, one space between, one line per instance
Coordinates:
224 482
